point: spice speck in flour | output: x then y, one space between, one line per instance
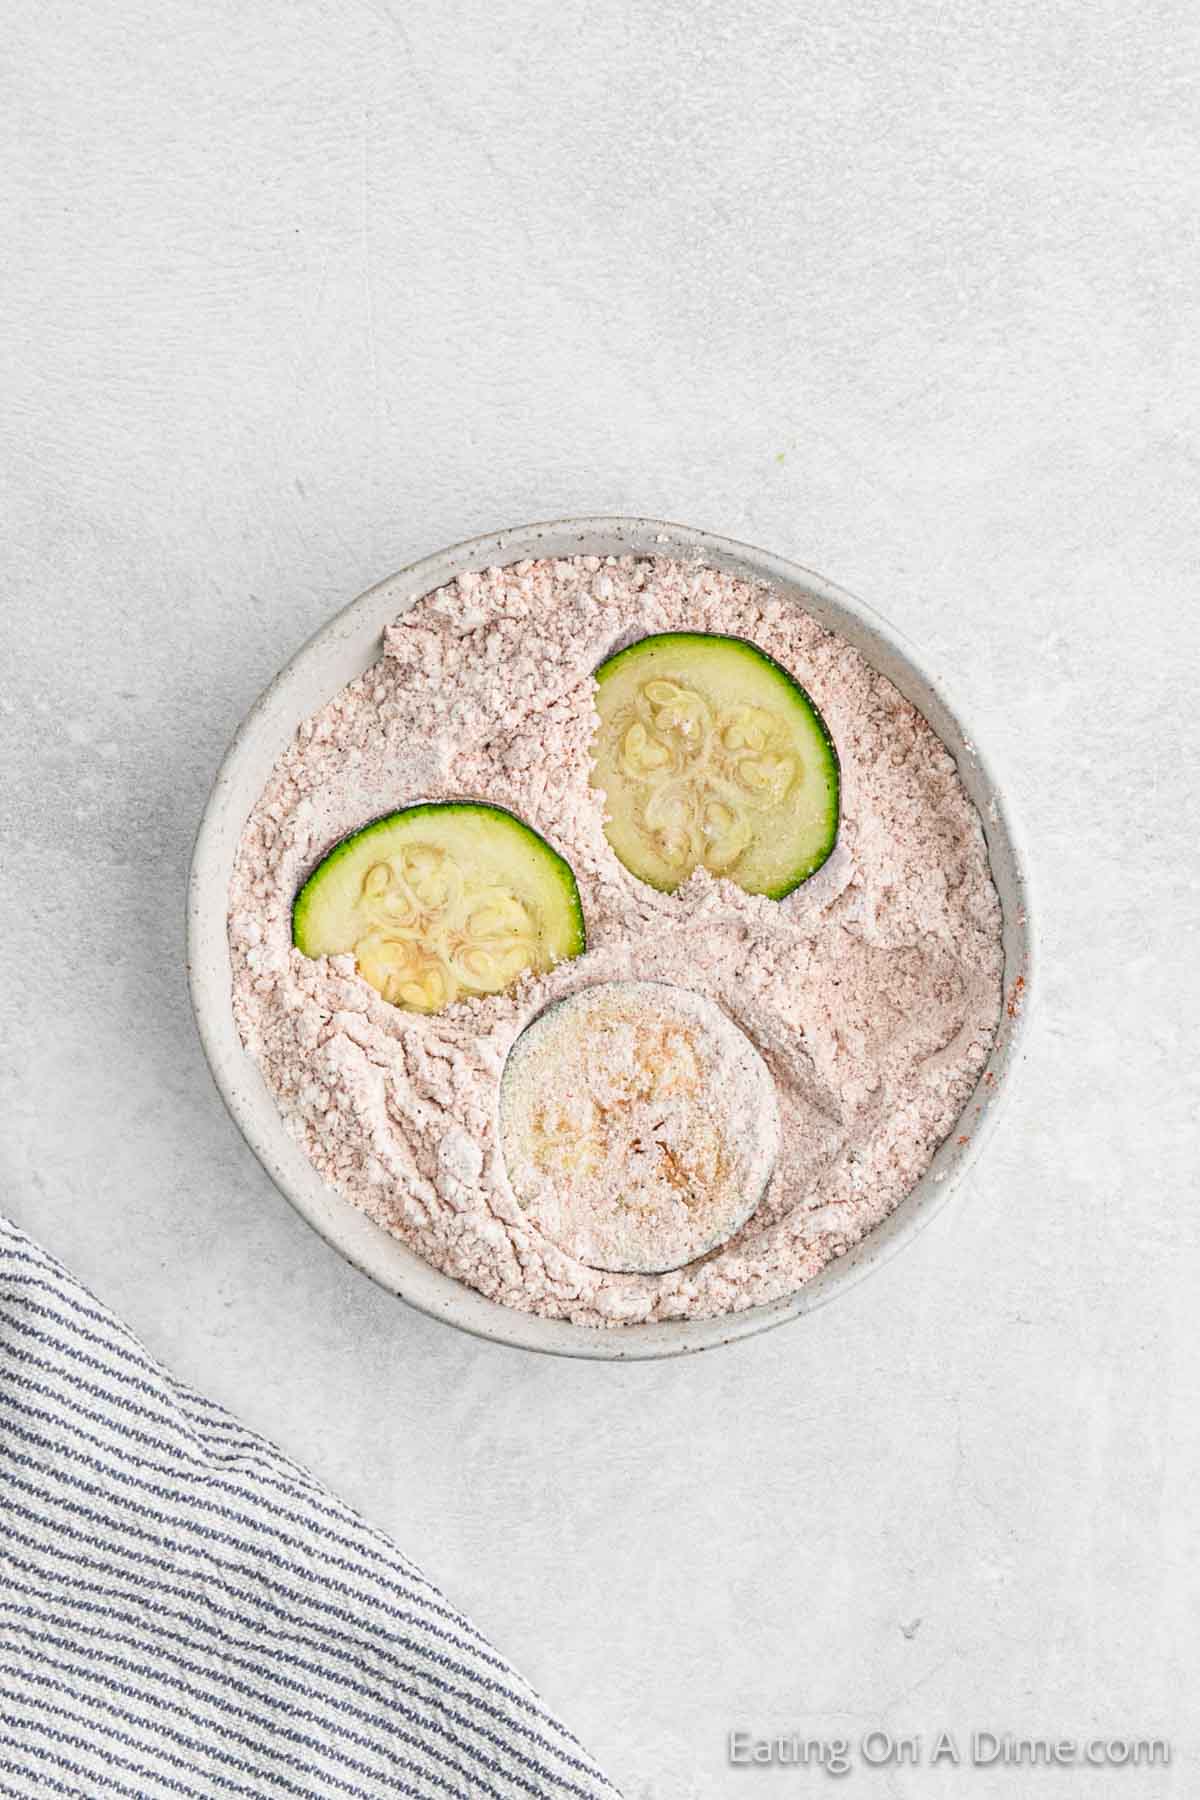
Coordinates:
871 993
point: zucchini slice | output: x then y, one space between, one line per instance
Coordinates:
708 753
640 1126
440 901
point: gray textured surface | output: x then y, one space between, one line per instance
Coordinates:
292 295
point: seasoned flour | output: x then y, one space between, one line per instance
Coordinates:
873 991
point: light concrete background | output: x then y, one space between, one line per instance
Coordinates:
291 294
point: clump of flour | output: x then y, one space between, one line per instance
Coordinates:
873 991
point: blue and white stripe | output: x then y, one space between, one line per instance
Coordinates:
183 1611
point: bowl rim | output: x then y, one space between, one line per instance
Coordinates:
366 1245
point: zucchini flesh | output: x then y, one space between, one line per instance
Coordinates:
441 901
709 754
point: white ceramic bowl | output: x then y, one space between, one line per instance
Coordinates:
341 651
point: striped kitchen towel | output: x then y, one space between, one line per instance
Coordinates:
183 1611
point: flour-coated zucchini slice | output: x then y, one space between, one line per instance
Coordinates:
441 901
640 1125
710 754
